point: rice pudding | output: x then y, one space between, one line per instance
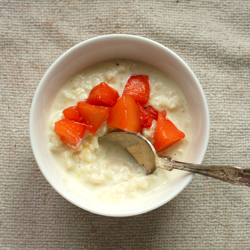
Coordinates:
106 170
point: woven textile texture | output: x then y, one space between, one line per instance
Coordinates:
213 37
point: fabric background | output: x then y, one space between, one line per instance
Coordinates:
212 37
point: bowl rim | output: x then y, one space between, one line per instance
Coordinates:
187 179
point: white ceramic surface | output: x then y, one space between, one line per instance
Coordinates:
105 48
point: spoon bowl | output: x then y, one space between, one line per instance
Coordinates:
137 145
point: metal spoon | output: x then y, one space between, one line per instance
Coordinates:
145 154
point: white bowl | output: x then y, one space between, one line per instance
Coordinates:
105 48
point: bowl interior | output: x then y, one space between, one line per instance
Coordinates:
102 49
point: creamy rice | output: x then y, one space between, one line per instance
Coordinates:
109 171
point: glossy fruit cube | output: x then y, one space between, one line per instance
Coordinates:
166 133
71 113
70 132
104 95
124 115
93 116
138 87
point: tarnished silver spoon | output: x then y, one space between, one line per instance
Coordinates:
146 156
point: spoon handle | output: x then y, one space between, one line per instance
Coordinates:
232 174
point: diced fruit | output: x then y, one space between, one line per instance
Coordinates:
145 117
93 116
70 132
138 87
166 133
124 115
152 112
103 94
71 113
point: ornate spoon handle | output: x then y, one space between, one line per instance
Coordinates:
235 175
